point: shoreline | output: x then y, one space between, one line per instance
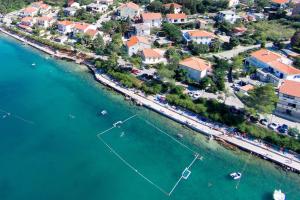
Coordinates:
286 160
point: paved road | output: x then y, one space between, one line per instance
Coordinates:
234 52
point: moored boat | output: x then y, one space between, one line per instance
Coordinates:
278 195
236 175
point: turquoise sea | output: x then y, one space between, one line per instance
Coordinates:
49 148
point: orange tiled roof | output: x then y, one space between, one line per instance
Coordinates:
81 26
177 16
45 18
151 53
290 88
91 32
30 10
151 16
196 63
247 87
135 40
65 23
287 69
27 19
200 33
168 5
265 55
130 5
281 1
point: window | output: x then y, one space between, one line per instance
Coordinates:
292 105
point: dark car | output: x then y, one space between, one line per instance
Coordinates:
253 119
263 122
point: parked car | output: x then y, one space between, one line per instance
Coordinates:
253 119
263 122
283 129
273 126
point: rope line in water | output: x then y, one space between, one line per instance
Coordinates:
244 168
8 114
131 167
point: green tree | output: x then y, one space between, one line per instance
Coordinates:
295 41
165 73
98 45
261 99
297 62
198 48
215 46
173 32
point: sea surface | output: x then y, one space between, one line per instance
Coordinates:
49 149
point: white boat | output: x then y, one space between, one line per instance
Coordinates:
33 64
236 175
103 112
278 195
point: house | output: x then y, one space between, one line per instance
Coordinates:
106 2
136 44
246 88
29 12
97 8
272 67
65 27
179 18
198 36
201 24
81 28
28 21
289 100
233 3
227 16
196 68
173 7
41 6
45 21
130 10
72 3
152 56
93 33
279 4
61 39
142 29
70 11
154 19
238 31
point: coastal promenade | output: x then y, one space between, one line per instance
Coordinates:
284 159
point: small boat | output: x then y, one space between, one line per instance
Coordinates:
33 64
278 195
186 173
179 135
103 112
236 175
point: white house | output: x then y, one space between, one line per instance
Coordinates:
107 2
97 8
70 11
130 10
142 29
45 21
29 12
272 67
198 36
154 19
65 27
93 33
28 21
41 6
136 44
289 100
177 7
179 18
227 16
152 56
82 27
196 68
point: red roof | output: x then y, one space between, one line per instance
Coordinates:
196 63
291 88
151 16
177 16
200 33
45 18
130 5
91 32
287 69
30 10
27 19
168 5
81 26
151 53
265 55
137 39
281 1
65 23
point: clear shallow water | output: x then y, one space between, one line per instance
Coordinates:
52 151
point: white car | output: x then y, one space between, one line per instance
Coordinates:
273 126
